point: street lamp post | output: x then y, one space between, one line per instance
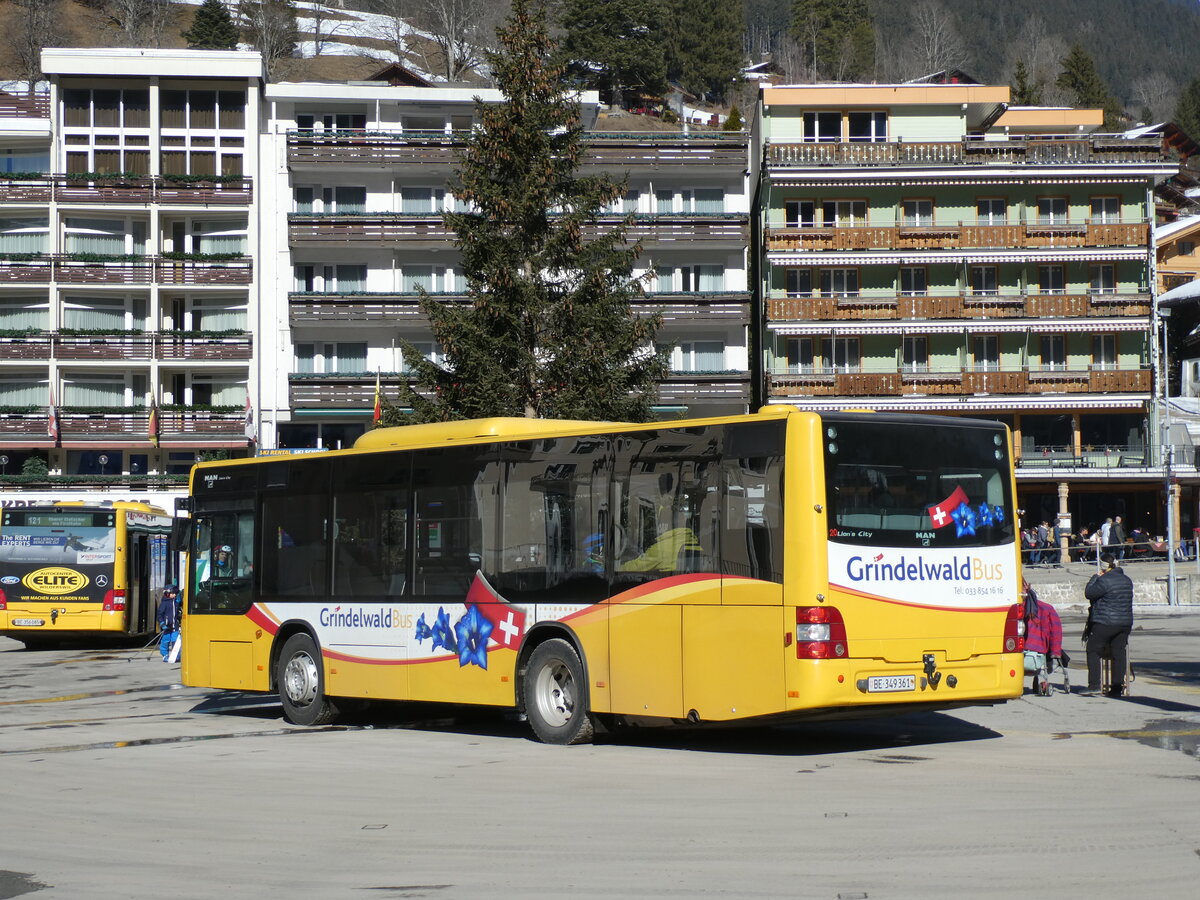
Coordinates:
1168 454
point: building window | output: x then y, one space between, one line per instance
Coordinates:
335 122
844 213
345 199
799 213
1051 280
1054 352
984 281
112 237
822 127
700 356
24 313
986 353
708 200
1104 352
339 279
917 213
1052 210
839 282
1185 248
916 353
24 235
421 200
867 127
688 279
798 282
1103 278
820 355
1106 209
342 358
914 281
991 211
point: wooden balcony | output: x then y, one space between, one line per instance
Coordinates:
725 306
126 347
383 228
1101 150
355 391
145 270
957 306
24 105
958 383
957 236
182 425
141 190
680 388
331 309
378 229
601 149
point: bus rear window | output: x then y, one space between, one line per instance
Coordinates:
900 484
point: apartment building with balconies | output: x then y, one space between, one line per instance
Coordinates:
353 230
127 282
930 248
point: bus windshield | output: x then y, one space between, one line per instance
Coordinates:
917 485
58 538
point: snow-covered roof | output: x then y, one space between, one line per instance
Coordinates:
1163 232
1180 296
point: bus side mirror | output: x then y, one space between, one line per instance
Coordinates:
181 535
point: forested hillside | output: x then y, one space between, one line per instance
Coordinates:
1146 50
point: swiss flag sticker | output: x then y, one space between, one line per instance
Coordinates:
508 622
939 515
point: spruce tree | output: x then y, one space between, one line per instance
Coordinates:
1187 111
615 45
1086 88
837 37
705 45
212 28
549 330
1025 92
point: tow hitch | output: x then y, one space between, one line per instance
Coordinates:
931 672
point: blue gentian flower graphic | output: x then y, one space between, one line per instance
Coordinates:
964 520
985 514
473 631
442 634
422 629
998 514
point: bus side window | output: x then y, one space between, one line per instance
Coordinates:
752 538
454 502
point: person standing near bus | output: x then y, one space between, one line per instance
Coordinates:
1110 620
168 620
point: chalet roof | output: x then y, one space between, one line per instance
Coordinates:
1174 229
946 76
399 75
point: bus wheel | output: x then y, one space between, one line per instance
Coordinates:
301 682
555 694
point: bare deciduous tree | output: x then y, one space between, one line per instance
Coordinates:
939 45
448 37
1042 53
142 22
1155 94
271 29
36 25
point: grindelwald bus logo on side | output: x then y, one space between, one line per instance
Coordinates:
55 580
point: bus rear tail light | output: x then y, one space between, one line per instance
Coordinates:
3 599
820 633
114 601
1014 629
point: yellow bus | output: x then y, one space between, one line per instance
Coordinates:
72 570
763 567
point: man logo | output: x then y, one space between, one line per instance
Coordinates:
55 580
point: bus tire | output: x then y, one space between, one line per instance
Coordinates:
555 694
300 678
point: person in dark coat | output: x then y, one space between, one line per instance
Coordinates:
168 620
1110 620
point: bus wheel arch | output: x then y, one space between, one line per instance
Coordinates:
552 687
298 674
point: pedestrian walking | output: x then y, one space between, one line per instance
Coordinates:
1109 622
1106 535
168 620
1118 539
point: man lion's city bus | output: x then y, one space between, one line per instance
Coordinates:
762 567
72 571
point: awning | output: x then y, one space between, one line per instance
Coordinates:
926 257
972 326
970 404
